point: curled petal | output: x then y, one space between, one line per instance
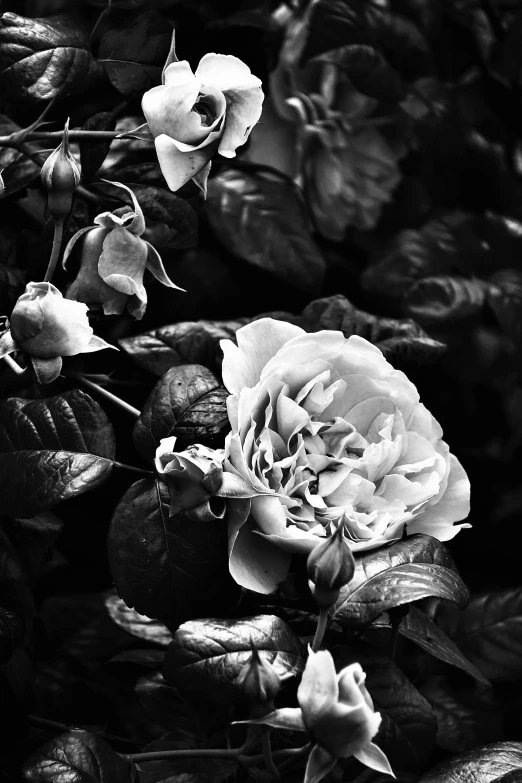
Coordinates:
156 268
372 756
178 73
179 165
243 112
137 225
122 264
255 563
226 72
71 243
318 690
454 505
46 370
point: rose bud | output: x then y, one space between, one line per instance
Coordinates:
338 712
2 186
260 683
191 476
191 116
330 566
114 258
61 176
46 327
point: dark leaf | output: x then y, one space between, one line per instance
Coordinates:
18 170
510 777
131 79
170 569
12 630
164 210
12 284
184 770
368 71
137 624
505 299
481 765
406 571
167 707
51 450
336 23
403 45
14 588
206 656
439 300
465 718
43 58
34 539
489 633
408 728
418 627
263 222
188 402
77 757
93 153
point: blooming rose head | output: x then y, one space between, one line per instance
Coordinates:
192 476
113 261
334 431
191 116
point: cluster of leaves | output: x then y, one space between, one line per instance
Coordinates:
92 675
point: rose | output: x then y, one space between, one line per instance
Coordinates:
193 115
328 424
338 713
113 262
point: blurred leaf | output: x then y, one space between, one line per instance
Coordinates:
51 450
132 79
439 300
465 718
188 402
489 633
12 631
34 539
206 656
408 728
368 71
137 624
417 567
77 757
93 153
164 208
43 58
12 284
505 299
418 627
183 770
167 707
170 569
262 221
481 765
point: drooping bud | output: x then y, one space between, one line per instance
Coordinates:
61 176
260 684
330 566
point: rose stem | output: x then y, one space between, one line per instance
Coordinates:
75 135
319 631
14 366
103 392
53 725
57 245
230 753
297 753
267 754
147 473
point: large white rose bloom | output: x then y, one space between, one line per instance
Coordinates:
338 434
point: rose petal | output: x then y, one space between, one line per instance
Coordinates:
320 763
255 563
244 109
257 343
178 73
318 689
372 756
454 505
156 268
225 72
179 166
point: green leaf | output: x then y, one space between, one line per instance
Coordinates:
465 717
406 571
368 71
41 59
489 633
481 765
188 402
440 300
169 569
206 656
51 450
263 221
93 153
137 624
408 728
77 757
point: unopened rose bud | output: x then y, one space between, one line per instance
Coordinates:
260 684
192 476
61 176
330 566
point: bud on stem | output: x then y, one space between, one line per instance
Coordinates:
61 176
330 567
260 683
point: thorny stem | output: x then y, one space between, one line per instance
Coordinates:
267 754
57 245
103 393
319 631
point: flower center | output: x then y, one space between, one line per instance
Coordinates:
205 106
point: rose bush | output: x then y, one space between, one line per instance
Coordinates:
191 116
336 433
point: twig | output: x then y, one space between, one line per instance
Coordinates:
46 723
320 629
57 246
103 392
